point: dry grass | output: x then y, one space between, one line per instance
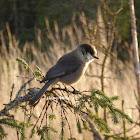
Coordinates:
118 82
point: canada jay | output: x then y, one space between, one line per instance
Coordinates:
69 68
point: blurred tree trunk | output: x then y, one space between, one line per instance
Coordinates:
15 15
135 45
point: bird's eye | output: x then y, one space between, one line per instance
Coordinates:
83 52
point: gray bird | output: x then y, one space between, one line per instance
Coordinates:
69 68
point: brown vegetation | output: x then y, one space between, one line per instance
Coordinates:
119 78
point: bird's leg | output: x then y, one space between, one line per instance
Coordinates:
74 90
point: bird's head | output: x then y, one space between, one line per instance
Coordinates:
89 52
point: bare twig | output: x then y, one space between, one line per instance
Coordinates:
17 101
94 131
23 86
40 115
11 92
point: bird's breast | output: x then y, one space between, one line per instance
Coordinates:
74 77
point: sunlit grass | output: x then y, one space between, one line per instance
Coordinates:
49 48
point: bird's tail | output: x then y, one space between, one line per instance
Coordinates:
41 92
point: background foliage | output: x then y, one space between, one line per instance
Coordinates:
24 17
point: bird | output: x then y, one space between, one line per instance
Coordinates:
69 68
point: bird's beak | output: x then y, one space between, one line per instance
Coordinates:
96 57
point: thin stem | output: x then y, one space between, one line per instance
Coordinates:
124 125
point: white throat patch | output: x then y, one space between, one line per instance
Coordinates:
90 57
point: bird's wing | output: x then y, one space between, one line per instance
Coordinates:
66 65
